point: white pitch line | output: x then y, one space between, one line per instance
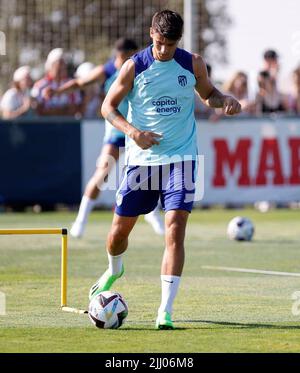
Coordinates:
245 270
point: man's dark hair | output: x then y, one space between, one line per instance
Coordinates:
168 23
125 45
270 54
264 74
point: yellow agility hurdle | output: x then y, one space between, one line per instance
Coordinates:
64 258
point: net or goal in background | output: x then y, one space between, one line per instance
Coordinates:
86 29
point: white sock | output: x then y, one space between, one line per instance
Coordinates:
154 212
169 288
114 263
86 206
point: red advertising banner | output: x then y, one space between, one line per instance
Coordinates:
251 160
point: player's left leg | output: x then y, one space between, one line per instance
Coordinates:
172 265
177 197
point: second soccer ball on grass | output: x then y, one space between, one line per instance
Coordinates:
240 229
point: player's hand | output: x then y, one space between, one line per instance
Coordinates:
231 106
146 139
48 92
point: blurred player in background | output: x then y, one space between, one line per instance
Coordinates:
159 83
113 139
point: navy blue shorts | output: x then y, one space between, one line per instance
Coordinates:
142 186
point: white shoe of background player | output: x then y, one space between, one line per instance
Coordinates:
77 229
154 219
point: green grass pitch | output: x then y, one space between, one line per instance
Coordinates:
215 311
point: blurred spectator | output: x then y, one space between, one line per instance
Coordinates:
56 75
296 94
237 86
268 98
16 100
271 63
91 94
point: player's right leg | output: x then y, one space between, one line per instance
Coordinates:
132 200
116 245
109 155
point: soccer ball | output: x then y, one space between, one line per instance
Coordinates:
108 310
240 229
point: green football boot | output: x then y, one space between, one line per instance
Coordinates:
104 283
164 321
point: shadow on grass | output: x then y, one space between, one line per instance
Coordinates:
152 329
135 325
142 325
242 325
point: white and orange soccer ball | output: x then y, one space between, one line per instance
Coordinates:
108 310
240 229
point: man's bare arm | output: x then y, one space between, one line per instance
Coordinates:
96 75
209 93
113 115
117 92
